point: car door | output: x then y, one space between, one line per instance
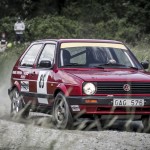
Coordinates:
41 75
25 68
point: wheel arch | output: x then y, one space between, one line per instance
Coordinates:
15 85
61 88
56 92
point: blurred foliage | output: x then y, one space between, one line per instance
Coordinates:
123 20
7 60
50 26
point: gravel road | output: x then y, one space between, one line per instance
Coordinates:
18 136
34 134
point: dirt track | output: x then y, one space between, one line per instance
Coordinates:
36 134
25 135
21 136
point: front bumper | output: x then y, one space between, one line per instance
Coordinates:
104 106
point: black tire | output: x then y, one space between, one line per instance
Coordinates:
146 123
61 114
17 106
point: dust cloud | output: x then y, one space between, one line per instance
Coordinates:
5 74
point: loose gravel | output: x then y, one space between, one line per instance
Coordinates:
34 134
18 136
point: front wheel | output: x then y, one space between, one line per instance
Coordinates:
146 123
62 117
17 106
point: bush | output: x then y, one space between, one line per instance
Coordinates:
7 26
61 27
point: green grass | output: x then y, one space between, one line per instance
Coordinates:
7 61
142 52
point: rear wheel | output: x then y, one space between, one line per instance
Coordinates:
146 123
62 117
17 105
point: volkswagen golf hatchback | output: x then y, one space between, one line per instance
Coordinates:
80 77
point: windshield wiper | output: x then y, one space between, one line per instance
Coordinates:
73 64
133 67
116 64
112 64
97 66
101 66
107 64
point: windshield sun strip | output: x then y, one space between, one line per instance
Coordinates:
110 45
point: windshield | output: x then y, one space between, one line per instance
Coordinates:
95 54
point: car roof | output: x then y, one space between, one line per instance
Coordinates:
80 40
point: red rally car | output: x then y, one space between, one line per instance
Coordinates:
67 77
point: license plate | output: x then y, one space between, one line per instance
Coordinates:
128 102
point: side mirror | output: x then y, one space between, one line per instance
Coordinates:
45 64
145 64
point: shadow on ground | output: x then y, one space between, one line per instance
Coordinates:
42 120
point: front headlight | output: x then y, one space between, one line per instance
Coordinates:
89 88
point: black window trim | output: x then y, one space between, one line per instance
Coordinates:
37 59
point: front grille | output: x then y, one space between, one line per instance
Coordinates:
117 88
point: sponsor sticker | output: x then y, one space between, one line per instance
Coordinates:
23 76
26 73
17 72
25 86
14 72
75 107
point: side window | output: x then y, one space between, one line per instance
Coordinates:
47 53
30 56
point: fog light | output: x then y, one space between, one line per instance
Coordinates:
90 101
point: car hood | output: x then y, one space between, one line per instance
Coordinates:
111 75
